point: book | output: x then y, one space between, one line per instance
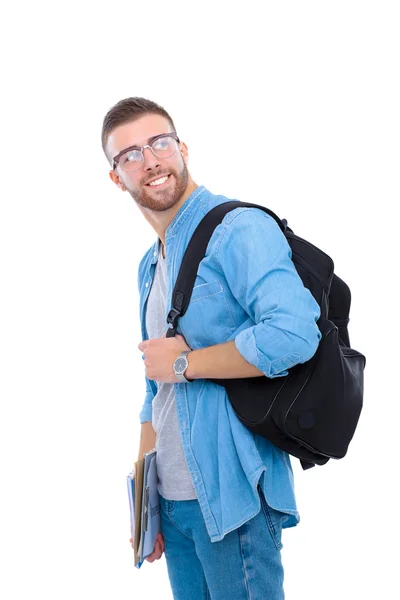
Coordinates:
144 506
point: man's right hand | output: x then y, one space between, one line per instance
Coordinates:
159 548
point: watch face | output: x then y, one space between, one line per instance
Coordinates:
180 365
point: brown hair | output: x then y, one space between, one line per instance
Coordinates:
127 111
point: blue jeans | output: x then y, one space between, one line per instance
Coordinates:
245 564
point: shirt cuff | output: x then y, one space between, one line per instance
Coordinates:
246 344
147 409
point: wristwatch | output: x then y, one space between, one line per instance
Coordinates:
180 366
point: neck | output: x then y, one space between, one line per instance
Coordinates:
161 220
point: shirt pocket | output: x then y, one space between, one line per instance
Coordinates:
208 319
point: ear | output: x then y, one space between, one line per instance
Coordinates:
115 179
184 152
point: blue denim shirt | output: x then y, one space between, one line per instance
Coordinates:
247 289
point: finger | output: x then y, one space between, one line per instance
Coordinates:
151 558
157 548
154 554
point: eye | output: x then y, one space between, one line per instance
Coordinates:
162 143
131 156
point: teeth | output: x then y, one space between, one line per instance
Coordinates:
159 181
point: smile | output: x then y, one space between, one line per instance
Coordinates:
159 182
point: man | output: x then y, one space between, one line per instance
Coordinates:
225 492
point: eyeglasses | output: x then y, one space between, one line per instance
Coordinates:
131 159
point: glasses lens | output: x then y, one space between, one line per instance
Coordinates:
131 160
164 147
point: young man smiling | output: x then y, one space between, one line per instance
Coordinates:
225 492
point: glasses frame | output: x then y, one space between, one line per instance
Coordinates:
141 148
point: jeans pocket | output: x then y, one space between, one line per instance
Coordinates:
167 505
274 520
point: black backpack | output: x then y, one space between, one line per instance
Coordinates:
313 411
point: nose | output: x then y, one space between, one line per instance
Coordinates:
150 161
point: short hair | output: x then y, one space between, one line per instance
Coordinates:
127 111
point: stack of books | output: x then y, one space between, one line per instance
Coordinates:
144 505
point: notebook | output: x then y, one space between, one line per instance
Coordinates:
144 506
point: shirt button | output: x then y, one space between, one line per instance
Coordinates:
155 253
147 284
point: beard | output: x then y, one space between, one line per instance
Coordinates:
163 199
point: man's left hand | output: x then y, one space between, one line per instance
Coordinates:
160 355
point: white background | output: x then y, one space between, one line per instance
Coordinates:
293 105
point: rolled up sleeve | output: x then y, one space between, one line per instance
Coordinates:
146 412
147 409
255 257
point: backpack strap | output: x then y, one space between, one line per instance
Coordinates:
195 253
339 307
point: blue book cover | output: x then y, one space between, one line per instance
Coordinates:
151 506
150 521
131 494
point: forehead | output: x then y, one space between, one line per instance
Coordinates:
136 133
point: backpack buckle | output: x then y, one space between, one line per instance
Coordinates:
172 317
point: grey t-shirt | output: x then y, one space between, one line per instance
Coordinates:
174 479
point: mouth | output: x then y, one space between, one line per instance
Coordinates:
160 182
